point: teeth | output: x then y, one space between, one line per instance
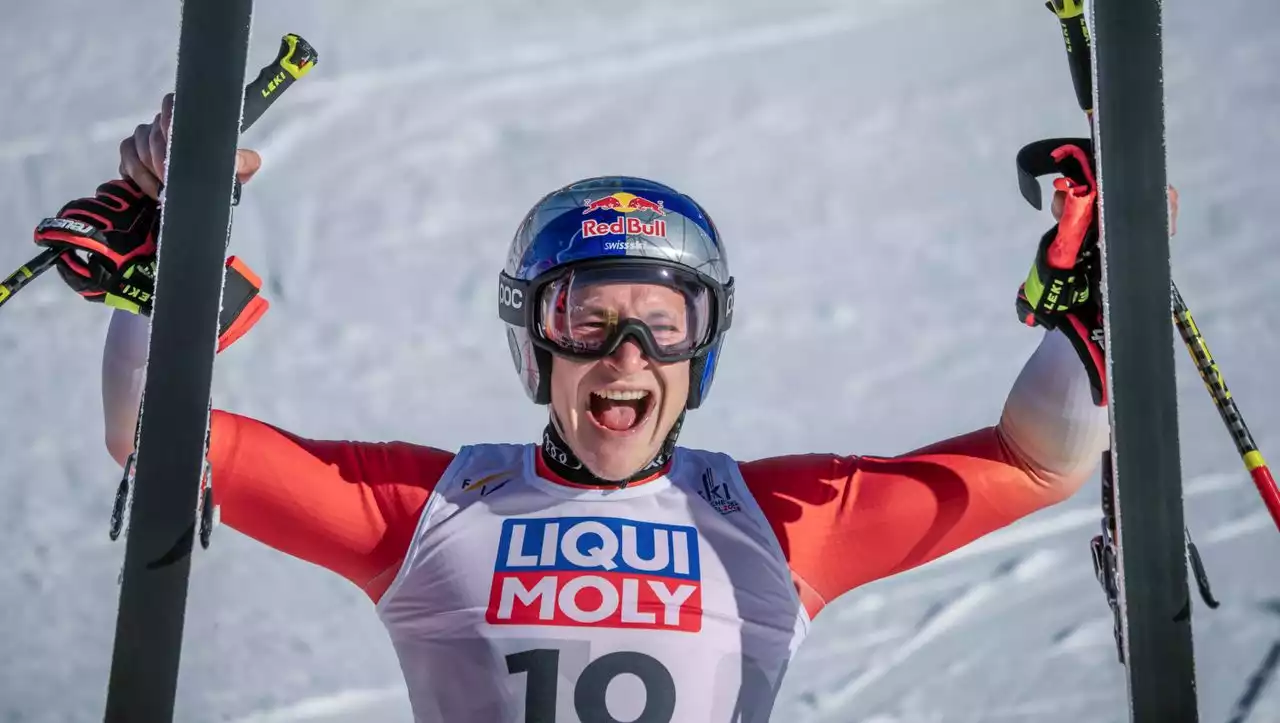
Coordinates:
621 395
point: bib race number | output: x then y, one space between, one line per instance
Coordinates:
589 703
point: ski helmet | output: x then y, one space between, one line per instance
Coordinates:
625 229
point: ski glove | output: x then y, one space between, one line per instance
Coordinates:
1062 290
108 245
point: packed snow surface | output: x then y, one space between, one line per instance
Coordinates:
858 157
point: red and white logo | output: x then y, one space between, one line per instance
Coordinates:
628 225
596 571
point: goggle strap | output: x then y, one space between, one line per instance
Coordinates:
513 295
726 314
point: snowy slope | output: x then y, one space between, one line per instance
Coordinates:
856 154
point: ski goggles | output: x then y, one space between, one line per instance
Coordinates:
588 310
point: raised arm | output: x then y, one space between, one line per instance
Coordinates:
350 507
124 370
845 521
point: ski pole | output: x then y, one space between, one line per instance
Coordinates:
27 273
295 59
1226 405
1075 36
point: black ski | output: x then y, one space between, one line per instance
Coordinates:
195 226
212 51
1150 537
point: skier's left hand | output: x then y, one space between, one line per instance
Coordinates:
1061 291
1060 200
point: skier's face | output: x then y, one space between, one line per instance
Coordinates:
616 412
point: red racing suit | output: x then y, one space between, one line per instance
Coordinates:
513 595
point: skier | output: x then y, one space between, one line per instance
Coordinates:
520 582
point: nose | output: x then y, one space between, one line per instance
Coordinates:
627 358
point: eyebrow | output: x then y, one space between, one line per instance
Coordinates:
660 313
600 309
595 309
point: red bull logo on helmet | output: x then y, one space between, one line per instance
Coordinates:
625 225
596 571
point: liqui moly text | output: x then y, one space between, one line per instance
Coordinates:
596 571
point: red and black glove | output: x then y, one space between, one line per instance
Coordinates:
108 245
1063 288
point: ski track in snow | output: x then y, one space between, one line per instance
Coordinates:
1262 677
319 708
858 154
1249 524
498 75
948 616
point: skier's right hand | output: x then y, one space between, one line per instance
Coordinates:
142 155
108 244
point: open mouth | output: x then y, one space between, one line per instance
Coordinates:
619 410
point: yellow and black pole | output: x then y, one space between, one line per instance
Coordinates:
1075 35
27 273
1226 405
